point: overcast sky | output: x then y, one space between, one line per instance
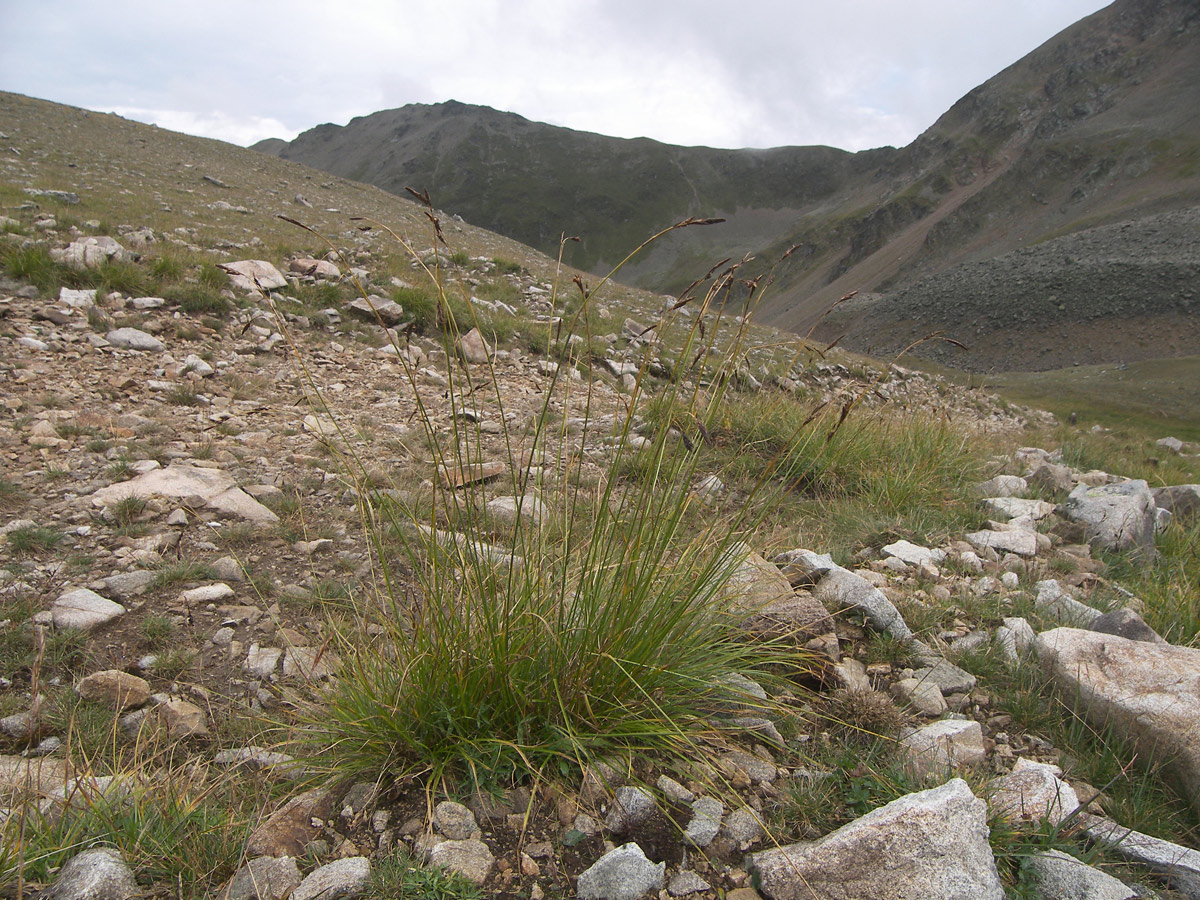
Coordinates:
849 73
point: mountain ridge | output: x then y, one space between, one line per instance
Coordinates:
1095 126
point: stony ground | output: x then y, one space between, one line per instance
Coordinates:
182 541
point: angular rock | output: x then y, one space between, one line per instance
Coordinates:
90 253
1016 508
216 489
1149 692
744 827
316 268
1002 486
1052 477
942 746
1014 638
931 845
1114 516
924 697
96 874
630 806
1126 623
686 882
288 830
1060 876
1054 601
455 821
949 678
245 273
84 610
1020 542
1181 500
914 554
265 878
620 874
758 589
705 823
183 719
1034 792
342 878
473 348
115 689
374 308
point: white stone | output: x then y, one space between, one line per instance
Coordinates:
945 745
219 491
1114 516
932 845
84 609
1149 692
133 339
914 554
342 878
244 273
621 874
470 858
1022 543
1033 791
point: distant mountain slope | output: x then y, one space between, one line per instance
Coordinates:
1099 125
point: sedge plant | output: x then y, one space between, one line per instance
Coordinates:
600 625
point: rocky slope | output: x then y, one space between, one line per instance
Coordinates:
183 565
1097 126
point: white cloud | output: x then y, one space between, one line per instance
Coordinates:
221 126
854 74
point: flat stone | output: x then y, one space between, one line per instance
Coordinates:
181 481
341 878
84 610
115 689
1149 692
471 858
932 845
1022 543
471 474
133 339
943 746
316 268
621 874
208 593
1017 508
1002 486
1177 867
129 584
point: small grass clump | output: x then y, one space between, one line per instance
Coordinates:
33 539
401 877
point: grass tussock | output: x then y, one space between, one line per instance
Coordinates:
602 629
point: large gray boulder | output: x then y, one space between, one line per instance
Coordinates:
932 845
1149 692
90 253
1114 516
